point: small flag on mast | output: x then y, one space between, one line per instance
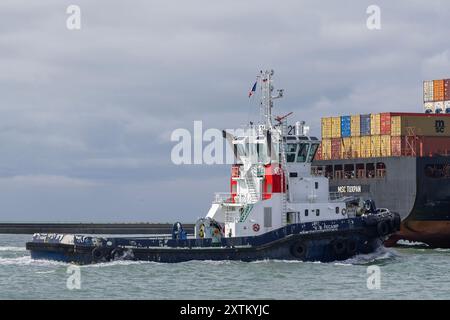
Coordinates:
253 90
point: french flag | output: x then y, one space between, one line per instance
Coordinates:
253 90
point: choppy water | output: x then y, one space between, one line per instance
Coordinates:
406 273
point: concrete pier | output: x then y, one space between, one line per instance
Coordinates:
91 228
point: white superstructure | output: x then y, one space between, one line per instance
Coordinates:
271 181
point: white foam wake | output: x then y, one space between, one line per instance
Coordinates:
27 261
14 249
382 253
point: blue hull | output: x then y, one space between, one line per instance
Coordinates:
319 241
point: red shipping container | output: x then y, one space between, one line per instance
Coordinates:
447 89
318 155
385 123
335 148
396 146
432 146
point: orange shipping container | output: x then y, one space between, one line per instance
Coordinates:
355 123
385 146
375 146
326 128
336 127
438 90
375 122
365 147
326 149
346 148
355 148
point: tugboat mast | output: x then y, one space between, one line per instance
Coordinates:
267 88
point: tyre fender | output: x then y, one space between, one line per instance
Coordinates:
339 247
383 228
299 249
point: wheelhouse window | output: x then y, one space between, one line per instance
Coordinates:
291 151
303 152
312 152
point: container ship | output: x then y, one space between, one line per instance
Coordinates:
400 160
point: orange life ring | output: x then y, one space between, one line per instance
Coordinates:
256 227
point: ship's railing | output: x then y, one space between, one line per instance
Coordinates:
335 195
223 197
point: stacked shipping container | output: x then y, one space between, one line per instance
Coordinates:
436 96
386 134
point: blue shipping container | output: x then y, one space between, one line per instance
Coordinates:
346 130
365 124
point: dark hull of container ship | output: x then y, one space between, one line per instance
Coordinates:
418 188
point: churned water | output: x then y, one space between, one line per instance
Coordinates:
406 273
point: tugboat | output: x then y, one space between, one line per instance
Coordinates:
276 209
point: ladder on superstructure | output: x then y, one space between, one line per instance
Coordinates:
284 188
251 187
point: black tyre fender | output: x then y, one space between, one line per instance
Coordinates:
98 254
117 253
383 228
339 246
352 247
370 220
299 249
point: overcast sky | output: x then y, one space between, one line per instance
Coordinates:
86 115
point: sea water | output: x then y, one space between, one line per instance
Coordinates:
408 272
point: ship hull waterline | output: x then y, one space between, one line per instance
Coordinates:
304 242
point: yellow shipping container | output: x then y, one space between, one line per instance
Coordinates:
355 148
336 127
346 148
375 123
326 149
365 147
385 146
375 146
355 123
326 128
396 126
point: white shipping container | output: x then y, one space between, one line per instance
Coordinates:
447 106
429 106
439 106
428 91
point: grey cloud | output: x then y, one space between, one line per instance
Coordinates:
99 104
